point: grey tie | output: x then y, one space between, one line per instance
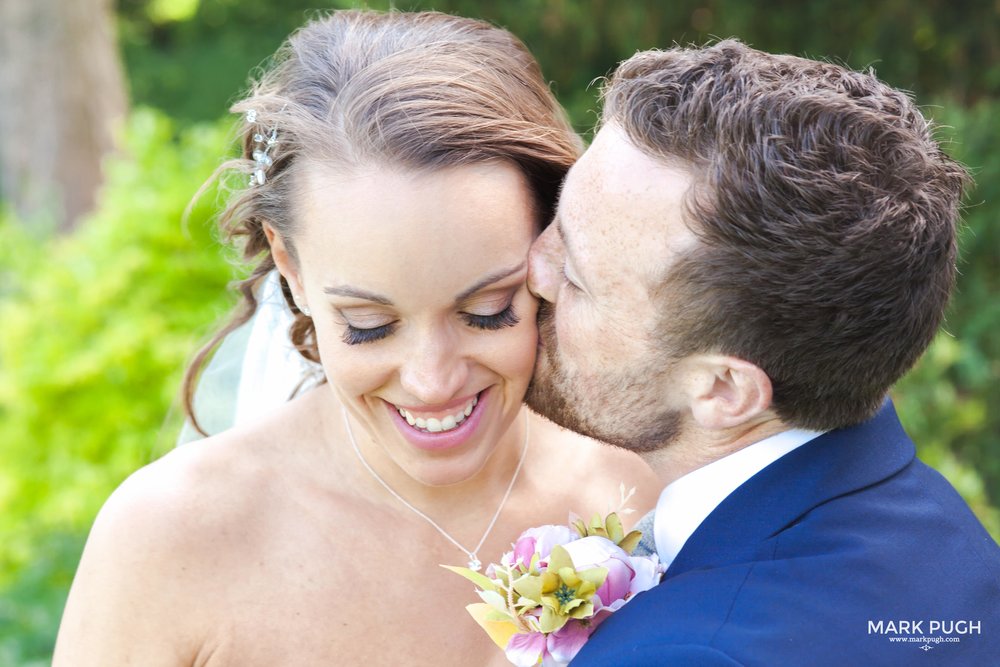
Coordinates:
647 545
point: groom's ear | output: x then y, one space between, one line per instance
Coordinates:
724 391
283 259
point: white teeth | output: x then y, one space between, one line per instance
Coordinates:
435 425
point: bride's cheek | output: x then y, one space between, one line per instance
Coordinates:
359 382
518 349
528 331
354 370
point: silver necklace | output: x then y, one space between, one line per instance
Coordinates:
474 562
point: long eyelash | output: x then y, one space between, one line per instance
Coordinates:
356 336
505 318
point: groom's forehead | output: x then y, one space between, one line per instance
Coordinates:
603 189
597 244
588 192
623 208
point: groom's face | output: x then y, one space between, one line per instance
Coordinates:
603 368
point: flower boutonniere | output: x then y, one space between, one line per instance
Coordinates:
546 596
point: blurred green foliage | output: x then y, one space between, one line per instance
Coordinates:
950 402
949 49
97 325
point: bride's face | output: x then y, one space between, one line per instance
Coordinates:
425 327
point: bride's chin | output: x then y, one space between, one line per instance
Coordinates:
450 470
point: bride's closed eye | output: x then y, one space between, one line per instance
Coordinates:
505 318
357 335
363 325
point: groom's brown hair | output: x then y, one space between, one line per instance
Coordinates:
827 216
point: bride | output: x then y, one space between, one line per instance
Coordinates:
399 166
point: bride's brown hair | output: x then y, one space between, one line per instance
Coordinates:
416 90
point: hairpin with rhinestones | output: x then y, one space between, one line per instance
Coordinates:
263 143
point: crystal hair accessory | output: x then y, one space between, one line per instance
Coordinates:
263 142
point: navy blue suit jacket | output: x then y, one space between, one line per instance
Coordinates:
846 551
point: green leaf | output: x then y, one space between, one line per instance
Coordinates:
550 620
594 576
614 528
559 559
477 578
630 541
530 586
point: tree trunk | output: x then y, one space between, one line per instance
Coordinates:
62 97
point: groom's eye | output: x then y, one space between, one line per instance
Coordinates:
568 280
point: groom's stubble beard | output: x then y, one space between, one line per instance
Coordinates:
620 408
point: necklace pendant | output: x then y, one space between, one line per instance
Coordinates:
474 564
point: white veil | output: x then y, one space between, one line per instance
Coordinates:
255 369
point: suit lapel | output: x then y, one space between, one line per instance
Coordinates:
833 464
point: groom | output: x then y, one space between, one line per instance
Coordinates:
753 250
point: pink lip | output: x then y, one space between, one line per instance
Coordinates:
441 441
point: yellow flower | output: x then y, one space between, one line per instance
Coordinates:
561 590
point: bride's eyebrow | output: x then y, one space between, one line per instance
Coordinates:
494 277
358 293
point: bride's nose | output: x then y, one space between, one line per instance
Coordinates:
436 369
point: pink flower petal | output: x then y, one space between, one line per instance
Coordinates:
548 536
549 661
617 585
567 641
524 549
647 573
525 649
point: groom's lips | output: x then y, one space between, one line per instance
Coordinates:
456 437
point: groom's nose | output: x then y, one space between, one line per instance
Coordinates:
545 265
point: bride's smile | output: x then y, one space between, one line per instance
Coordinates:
441 428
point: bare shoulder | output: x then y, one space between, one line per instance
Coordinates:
601 469
182 500
144 567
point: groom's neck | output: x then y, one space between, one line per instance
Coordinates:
695 447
